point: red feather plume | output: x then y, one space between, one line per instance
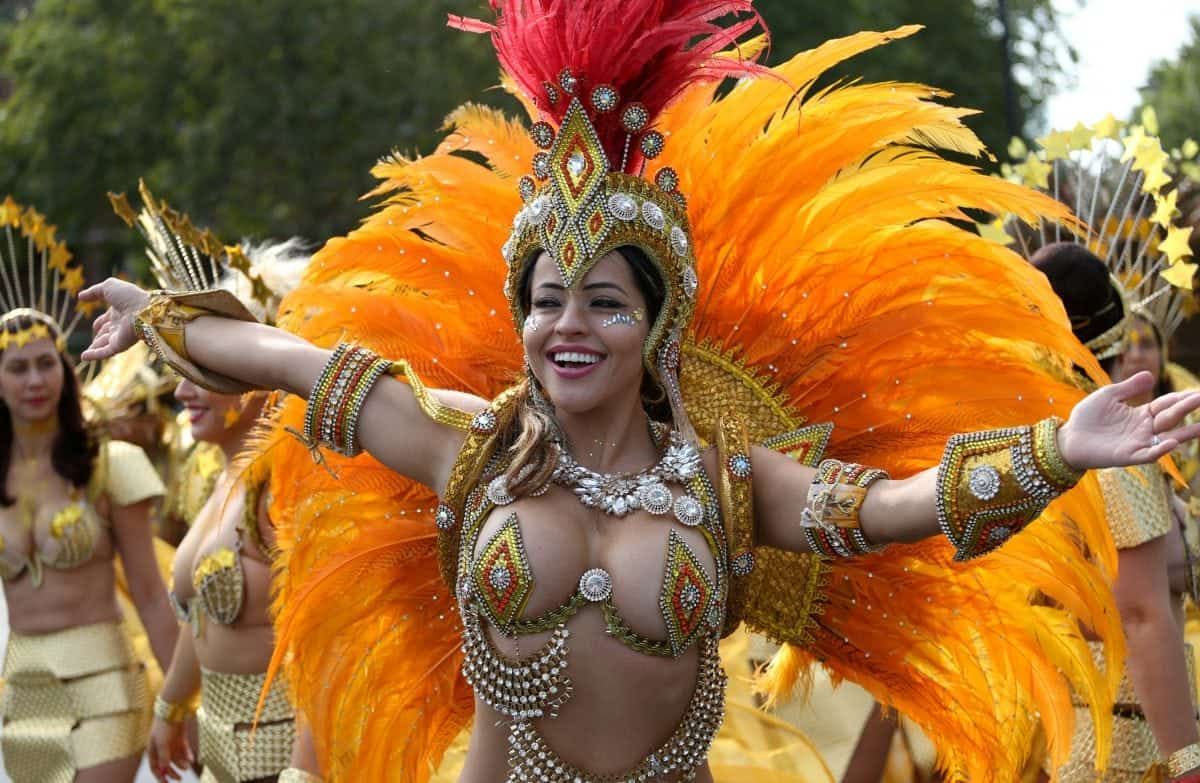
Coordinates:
649 50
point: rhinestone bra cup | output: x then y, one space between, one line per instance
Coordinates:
495 586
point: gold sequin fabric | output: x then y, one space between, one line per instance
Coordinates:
72 699
1137 504
229 750
1134 751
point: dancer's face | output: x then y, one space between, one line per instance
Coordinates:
215 418
1142 352
585 344
31 380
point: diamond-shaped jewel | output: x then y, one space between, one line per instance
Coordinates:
577 164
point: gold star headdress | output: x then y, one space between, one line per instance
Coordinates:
1116 178
184 257
38 281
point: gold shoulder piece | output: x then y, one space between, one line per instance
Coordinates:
483 439
124 473
1135 500
431 405
775 592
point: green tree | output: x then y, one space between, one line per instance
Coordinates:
264 118
1173 89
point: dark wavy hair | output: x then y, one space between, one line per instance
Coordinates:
1085 286
73 454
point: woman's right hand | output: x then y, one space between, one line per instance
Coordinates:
113 331
169 753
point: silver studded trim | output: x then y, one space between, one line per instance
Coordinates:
595 585
689 511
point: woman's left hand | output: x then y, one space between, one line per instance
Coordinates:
1104 431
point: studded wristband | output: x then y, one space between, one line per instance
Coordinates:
171 713
830 517
991 484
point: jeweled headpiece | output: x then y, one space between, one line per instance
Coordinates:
595 81
186 258
42 287
1115 177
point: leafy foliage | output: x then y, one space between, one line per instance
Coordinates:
1173 89
264 118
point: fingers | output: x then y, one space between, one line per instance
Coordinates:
93 292
1180 435
1175 409
1133 386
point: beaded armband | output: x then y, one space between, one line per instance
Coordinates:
293 775
1183 760
338 396
171 713
990 485
830 518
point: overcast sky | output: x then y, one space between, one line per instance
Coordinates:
1117 40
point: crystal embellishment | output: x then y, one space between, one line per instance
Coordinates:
577 164
653 215
542 134
623 206
739 466
984 482
497 491
691 283
595 585
679 241
742 563
689 511
655 498
634 118
619 494
605 98
652 144
484 422
444 518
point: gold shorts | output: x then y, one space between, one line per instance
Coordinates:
1135 757
73 699
229 750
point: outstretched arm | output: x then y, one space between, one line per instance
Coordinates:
391 424
1102 432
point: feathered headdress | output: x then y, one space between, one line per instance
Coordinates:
44 291
1114 176
600 76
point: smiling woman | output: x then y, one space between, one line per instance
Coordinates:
69 505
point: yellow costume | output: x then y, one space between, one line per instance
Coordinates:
78 697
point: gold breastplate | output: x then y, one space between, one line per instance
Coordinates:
72 537
220 589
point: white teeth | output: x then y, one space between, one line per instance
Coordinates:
578 358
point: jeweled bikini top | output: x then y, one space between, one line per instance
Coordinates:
501 579
73 534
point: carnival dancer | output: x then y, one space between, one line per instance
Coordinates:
606 520
1126 269
222 569
76 704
